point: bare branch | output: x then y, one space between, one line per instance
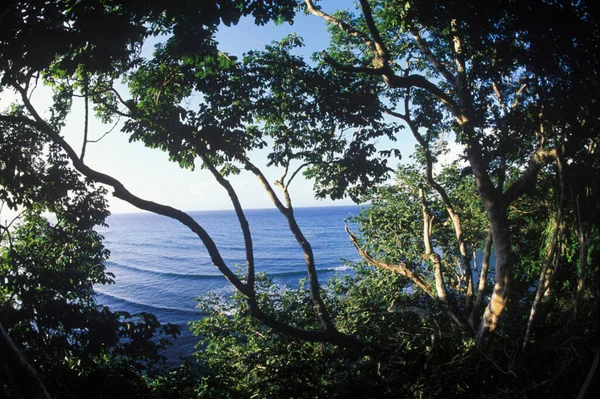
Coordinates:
121 192
287 185
106 133
248 245
309 258
86 116
400 268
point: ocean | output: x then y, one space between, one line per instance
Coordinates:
160 266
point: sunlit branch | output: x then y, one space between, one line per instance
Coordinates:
342 25
309 258
541 157
400 268
437 64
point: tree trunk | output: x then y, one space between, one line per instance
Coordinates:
543 283
485 266
502 248
19 370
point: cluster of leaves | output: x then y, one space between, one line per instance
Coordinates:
48 307
412 347
50 259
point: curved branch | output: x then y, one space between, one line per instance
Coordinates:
121 192
400 268
287 185
332 336
542 157
239 211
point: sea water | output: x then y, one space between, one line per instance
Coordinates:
161 266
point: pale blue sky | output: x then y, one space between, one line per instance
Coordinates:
148 173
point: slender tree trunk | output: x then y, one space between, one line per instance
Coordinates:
20 371
543 283
545 279
440 286
485 266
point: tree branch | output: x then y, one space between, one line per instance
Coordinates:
342 25
426 51
309 258
121 192
380 48
86 116
400 268
239 211
542 157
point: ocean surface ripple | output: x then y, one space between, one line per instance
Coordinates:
160 266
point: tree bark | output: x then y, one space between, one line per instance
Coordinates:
502 248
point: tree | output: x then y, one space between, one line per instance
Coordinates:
488 76
222 131
496 76
49 318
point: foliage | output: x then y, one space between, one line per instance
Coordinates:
49 309
514 82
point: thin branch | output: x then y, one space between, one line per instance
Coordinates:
400 268
342 25
309 258
456 222
248 245
86 116
108 132
517 95
481 289
287 185
24 375
437 64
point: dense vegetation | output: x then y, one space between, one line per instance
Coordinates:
479 277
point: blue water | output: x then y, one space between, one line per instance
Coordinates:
160 266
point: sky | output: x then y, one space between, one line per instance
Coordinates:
149 174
